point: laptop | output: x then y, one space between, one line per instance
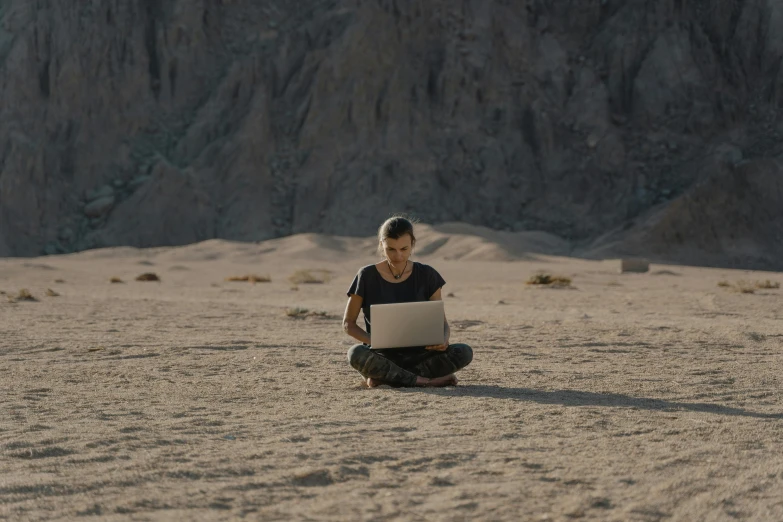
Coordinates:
404 325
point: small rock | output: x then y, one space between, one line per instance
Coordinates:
51 293
634 265
441 481
313 478
149 276
501 302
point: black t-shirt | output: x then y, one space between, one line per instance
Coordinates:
374 289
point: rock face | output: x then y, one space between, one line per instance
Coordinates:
247 120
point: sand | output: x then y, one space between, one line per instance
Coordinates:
626 397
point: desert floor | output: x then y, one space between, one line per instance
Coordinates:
642 397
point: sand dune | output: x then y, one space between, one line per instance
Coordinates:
460 241
448 241
625 397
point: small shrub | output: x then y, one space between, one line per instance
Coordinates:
59 280
116 280
25 295
148 276
750 287
301 313
250 278
297 312
539 279
309 277
51 293
548 280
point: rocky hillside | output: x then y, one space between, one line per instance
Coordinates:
622 125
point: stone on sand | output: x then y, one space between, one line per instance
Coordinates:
635 265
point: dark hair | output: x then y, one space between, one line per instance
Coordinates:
395 227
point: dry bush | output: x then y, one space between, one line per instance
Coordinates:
301 313
148 276
744 287
51 293
23 295
250 278
308 277
116 280
749 287
296 312
549 280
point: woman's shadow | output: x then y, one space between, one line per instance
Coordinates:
582 398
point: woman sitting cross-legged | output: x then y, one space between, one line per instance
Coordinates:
398 280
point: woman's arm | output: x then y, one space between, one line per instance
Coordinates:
446 330
349 320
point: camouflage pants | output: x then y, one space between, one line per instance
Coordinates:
401 366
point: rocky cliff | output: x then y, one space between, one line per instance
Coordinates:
627 125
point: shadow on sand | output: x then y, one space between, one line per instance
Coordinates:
615 400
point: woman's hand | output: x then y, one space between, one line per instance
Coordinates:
438 347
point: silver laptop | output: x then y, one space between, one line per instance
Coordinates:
403 325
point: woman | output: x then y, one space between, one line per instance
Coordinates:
397 280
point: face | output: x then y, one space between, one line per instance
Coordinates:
397 251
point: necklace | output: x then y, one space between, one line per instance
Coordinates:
392 271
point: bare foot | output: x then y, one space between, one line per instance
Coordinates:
440 382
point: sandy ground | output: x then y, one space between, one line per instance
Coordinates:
628 397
